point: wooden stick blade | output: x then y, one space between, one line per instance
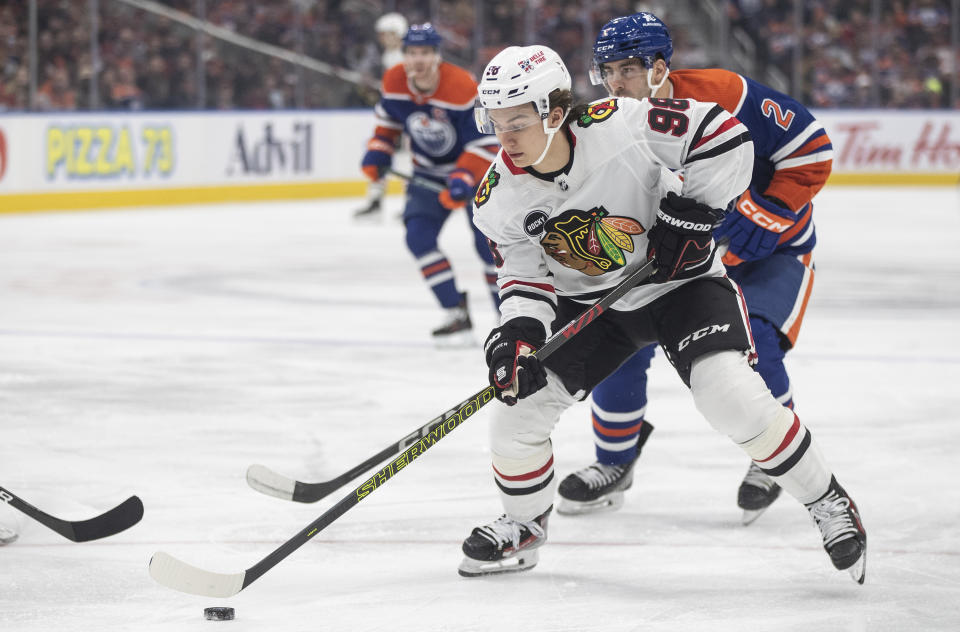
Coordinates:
172 573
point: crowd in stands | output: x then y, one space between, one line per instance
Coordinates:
849 55
899 56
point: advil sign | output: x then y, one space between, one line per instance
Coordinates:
269 154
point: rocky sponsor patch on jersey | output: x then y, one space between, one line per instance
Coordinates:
534 223
592 242
483 191
598 112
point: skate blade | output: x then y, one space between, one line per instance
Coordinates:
523 561
610 502
859 569
749 515
459 340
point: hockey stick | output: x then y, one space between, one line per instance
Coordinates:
123 516
266 481
173 573
417 180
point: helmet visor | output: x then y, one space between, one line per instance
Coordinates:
621 70
502 120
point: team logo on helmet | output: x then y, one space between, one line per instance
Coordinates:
483 191
598 112
592 242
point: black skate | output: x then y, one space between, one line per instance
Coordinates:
372 211
504 546
457 329
599 487
757 492
844 538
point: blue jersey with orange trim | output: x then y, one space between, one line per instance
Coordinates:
793 154
443 134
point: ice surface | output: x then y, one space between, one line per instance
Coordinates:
162 351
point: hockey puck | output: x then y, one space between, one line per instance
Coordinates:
218 614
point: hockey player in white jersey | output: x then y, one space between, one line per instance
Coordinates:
577 198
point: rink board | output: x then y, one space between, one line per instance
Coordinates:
103 160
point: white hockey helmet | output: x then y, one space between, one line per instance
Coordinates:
392 23
519 75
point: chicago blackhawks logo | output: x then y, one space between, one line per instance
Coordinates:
592 242
598 112
483 191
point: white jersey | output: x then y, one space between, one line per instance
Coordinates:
577 232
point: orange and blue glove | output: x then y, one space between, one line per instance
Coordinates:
460 187
376 162
754 228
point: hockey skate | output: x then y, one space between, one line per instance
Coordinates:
595 488
8 525
844 538
757 492
504 546
599 487
7 535
457 329
373 211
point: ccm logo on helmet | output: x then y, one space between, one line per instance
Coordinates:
701 333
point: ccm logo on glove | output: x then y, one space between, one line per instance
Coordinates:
762 218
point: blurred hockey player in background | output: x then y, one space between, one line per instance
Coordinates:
431 101
577 198
770 240
390 28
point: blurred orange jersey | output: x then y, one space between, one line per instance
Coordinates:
793 154
443 135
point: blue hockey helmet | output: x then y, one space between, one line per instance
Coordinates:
642 36
422 35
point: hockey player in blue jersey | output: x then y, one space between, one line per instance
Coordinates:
431 101
770 242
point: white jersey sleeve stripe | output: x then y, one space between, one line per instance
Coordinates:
797 142
820 156
743 95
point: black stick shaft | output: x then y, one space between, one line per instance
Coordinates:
417 180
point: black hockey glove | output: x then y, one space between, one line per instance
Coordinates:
514 373
680 241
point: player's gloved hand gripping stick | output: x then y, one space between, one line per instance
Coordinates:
173 573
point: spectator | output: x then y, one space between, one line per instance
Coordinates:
56 93
873 60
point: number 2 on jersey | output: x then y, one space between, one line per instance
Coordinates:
769 106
